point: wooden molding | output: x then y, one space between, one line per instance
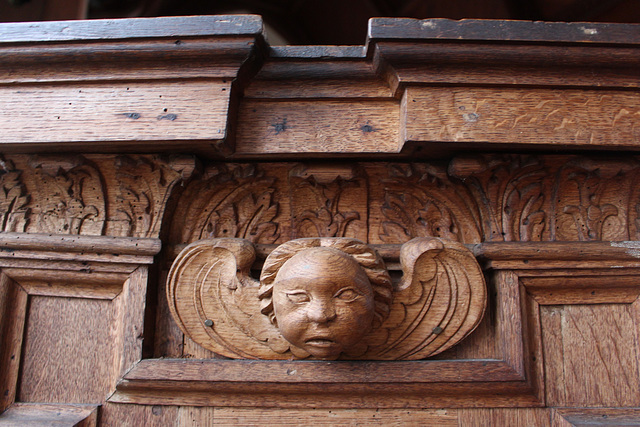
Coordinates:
64 258
22 414
177 83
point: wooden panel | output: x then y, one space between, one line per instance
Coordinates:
317 127
579 417
113 414
13 306
195 351
38 414
334 417
68 351
505 417
117 112
591 355
199 416
129 322
540 116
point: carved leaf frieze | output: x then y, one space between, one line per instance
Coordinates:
473 199
228 200
421 201
14 201
144 187
71 197
488 197
328 201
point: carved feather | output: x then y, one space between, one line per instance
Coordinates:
439 301
215 300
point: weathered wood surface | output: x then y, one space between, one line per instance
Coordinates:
43 414
529 116
13 306
118 29
117 112
179 83
81 306
318 127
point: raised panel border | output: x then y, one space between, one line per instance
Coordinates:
94 267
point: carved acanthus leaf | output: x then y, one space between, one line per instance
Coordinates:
328 201
229 200
14 201
421 201
587 200
145 184
509 190
70 196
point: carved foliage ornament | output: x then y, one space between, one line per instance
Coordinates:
326 298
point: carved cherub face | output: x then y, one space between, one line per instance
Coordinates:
323 302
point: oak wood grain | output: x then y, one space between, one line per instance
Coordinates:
43 414
505 417
569 117
115 112
62 349
112 414
608 376
13 312
336 417
310 127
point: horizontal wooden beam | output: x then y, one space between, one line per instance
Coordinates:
79 243
212 86
502 31
118 29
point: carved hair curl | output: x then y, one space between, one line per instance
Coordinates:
368 259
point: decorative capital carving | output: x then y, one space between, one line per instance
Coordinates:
326 298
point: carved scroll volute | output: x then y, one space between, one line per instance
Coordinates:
439 301
326 298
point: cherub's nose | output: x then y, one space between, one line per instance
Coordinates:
321 312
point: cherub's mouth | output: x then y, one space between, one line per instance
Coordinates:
320 342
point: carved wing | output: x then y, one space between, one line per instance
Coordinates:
439 301
214 300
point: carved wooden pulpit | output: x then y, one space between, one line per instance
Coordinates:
440 227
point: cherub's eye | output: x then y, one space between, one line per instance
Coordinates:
298 297
347 294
